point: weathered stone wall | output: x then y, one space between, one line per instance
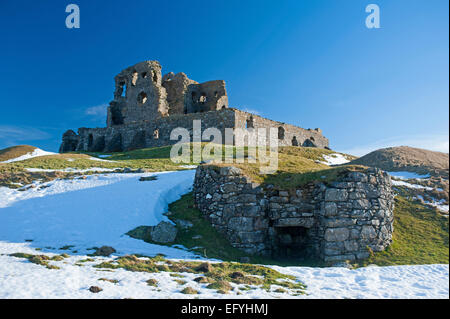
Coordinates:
142 95
207 96
151 134
156 132
288 135
176 86
139 96
334 222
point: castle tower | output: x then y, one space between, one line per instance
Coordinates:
139 96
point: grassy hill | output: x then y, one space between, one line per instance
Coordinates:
420 234
405 158
296 164
15 151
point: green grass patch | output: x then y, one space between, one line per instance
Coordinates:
217 274
113 281
42 260
420 236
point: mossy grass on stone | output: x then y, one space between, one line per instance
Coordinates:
180 282
152 282
221 286
189 291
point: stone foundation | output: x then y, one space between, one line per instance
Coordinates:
333 222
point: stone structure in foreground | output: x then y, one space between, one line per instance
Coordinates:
148 106
338 221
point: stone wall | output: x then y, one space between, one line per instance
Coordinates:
156 132
208 96
176 86
332 222
288 135
139 95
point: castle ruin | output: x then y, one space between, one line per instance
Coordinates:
148 106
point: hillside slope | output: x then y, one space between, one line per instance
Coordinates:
15 151
405 158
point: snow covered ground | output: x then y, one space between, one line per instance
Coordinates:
37 152
334 159
99 209
22 279
92 212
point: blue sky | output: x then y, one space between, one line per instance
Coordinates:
309 63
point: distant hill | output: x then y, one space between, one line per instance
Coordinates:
405 158
15 152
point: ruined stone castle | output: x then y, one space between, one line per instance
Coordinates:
148 106
342 220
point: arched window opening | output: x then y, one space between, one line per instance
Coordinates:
122 89
308 143
294 141
142 98
281 133
90 141
203 98
249 123
134 78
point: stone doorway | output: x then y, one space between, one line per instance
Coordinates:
292 242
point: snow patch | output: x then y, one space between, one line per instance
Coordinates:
407 175
334 159
440 205
36 153
409 185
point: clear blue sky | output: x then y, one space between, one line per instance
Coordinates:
311 63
